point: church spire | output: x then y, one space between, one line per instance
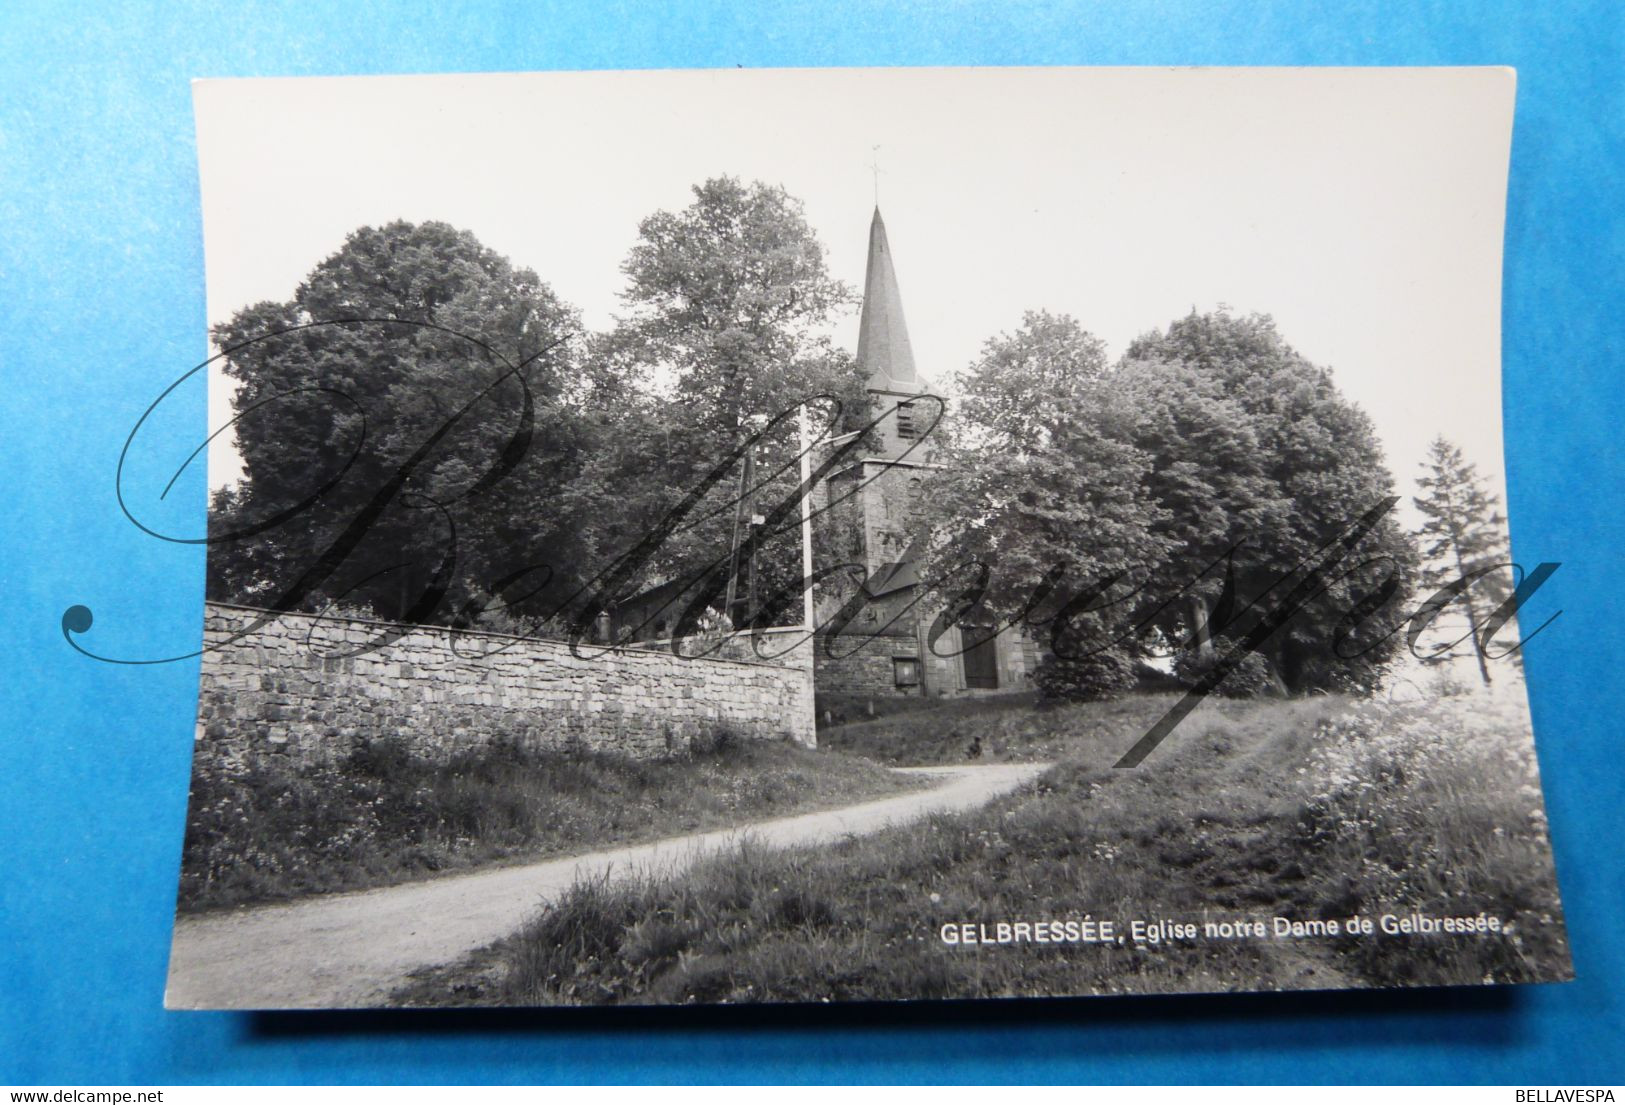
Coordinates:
883 346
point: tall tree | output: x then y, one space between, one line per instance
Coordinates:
1208 474
728 307
406 332
1463 538
1039 475
732 294
1265 440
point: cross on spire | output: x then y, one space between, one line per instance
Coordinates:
874 166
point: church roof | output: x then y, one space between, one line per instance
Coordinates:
894 575
883 346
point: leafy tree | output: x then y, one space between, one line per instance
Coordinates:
406 332
1463 537
1208 474
732 294
728 306
1038 475
1251 440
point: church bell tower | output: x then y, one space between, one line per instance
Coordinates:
878 520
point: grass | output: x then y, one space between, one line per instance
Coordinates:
844 709
1009 728
1308 809
273 832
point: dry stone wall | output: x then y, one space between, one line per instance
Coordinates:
294 688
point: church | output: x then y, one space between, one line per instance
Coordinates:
885 650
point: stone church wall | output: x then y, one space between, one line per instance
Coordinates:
865 665
286 690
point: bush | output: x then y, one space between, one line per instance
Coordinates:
1100 675
1251 678
1434 806
1332 674
719 740
387 758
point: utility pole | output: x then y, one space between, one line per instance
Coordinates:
747 473
806 522
738 609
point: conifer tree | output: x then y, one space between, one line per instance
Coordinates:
1463 535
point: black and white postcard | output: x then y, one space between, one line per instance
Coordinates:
824 535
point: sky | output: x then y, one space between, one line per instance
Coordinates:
1362 208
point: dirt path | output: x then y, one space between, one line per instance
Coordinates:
351 950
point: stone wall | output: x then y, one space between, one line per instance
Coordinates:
865 665
295 688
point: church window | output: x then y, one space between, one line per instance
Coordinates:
906 427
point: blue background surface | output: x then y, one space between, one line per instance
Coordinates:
101 307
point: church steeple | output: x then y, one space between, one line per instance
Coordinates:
883 346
